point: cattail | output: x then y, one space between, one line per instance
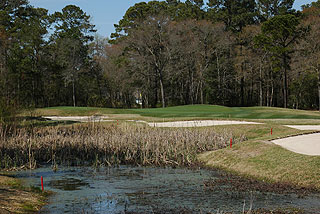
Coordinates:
106 144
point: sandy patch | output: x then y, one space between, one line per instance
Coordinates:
79 118
303 144
193 123
201 123
305 127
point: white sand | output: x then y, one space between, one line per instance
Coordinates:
201 123
194 123
79 118
305 127
304 144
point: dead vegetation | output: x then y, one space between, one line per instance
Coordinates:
14 198
109 144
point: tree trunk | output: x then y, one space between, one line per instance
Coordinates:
159 72
162 93
33 93
155 94
242 91
73 94
267 95
191 87
218 69
285 95
201 92
285 83
319 87
272 92
260 87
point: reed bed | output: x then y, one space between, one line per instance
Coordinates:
108 144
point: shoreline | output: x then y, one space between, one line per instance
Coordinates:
238 183
252 160
19 198
257 160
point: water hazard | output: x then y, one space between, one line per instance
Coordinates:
147 190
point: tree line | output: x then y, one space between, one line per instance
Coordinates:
45 58
163 53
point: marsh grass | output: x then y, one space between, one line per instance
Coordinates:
108 144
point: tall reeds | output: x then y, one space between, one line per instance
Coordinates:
103 144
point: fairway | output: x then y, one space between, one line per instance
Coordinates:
189 111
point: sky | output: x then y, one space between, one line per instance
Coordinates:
106 13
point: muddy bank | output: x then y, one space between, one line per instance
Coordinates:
242 185
15 198
186 211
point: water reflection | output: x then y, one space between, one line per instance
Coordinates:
136 190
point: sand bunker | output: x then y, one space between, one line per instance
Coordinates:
303 144
193 123
305 127
201 123
79 118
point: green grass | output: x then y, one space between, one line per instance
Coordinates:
29 208
259 159
267 162
77 111
189 111
213 111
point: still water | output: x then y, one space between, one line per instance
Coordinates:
144 190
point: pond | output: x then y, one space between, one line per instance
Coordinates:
128 189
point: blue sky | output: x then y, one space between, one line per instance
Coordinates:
105 13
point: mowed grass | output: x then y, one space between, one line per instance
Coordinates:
189 111
214 111
76 111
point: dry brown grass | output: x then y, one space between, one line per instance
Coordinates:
108 144
14 198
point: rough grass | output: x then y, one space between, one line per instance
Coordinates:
189 111
15 198
258 158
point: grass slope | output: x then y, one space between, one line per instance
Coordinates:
189 111
267 162
260 159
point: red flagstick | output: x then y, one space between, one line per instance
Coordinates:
42 183
271 131
231 143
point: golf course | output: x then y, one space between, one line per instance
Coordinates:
193 136
256 156
160 107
